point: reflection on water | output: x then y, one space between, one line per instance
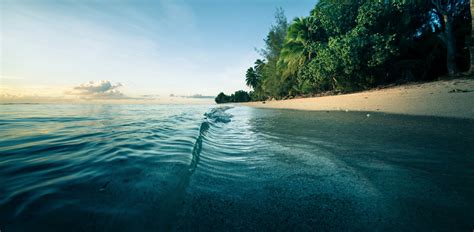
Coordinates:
153 168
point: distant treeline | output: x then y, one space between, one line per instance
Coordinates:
238 96
346 46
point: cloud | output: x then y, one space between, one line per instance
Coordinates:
200 96
149 97
99 90
196 96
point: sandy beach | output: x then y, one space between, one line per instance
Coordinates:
447 98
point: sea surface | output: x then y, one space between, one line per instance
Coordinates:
232 168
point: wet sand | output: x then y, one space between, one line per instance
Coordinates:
452 98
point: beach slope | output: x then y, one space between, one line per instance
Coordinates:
448 98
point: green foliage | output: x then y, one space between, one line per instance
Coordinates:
336 17
272 83
251 78
238 96
296 50
222 98
346 46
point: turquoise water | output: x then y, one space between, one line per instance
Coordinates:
162 168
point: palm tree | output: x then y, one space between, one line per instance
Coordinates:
251 78
296 50
259 65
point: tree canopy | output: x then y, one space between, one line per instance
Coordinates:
238 96
345 46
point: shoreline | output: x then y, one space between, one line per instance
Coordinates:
445 98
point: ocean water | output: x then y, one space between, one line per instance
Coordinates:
202 168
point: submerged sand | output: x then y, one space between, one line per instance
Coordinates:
451 98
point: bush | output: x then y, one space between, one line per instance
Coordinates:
238 96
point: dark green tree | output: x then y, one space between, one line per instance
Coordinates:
272 83
346 46
222 98
241 96
251 78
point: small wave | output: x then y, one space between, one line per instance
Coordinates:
219 114
177 195
197 148
215 115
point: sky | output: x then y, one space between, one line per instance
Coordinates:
142 50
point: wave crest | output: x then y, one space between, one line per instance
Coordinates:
219 114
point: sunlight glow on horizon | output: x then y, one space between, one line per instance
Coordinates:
151 47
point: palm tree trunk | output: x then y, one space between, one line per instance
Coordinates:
450 47
470 39
445 13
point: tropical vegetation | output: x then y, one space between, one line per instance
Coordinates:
345 46
238 96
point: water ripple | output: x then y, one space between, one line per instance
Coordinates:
162 168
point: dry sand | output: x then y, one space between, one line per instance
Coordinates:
452 98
